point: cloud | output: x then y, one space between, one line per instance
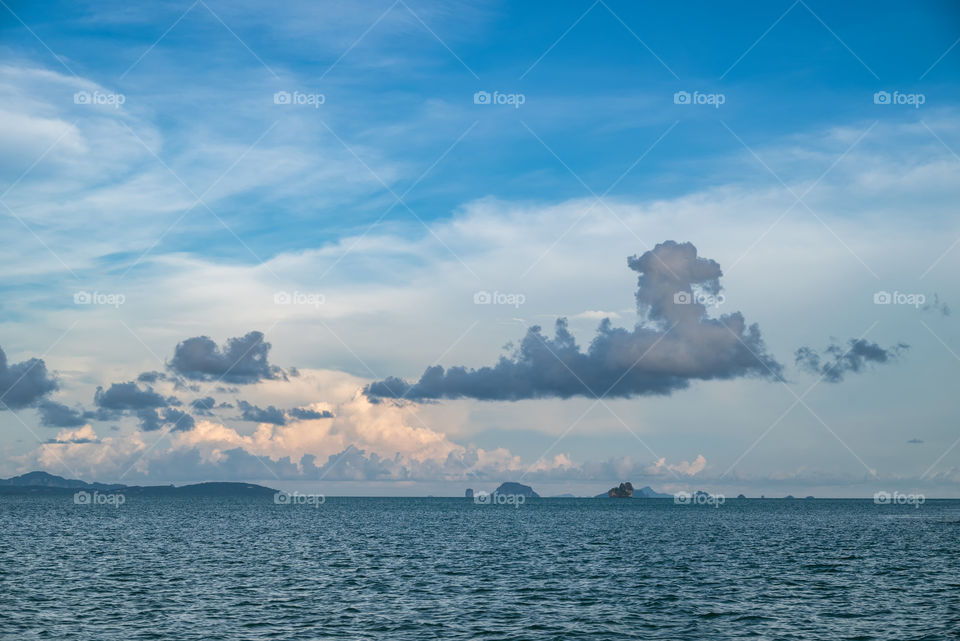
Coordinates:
149 419
305 414
936 305
675 344
180 420
152 420
836 361
684 467
595 314
23 384
142 403
82 436
151 377
203 405
256 414
128 396
240 360
276 416
54 414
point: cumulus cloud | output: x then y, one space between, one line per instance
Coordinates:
54 414
256 414
276 416
153 410
179 419
240 360
203 405
686 468
674 344
82 436
306 414
837 361
128 396
152 420
23 384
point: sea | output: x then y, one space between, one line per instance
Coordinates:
443 568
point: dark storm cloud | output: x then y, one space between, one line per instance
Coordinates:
256 414
128 396
23 384
302 414
240 360
836 361
675 344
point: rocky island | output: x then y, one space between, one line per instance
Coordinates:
516 489
625 491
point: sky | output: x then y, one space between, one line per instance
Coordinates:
407 248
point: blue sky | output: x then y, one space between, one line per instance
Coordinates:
399 197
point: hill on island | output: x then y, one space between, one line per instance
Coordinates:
45 483
646 492
516 489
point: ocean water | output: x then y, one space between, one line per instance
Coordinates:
382 568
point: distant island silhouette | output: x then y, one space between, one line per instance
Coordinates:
46 483
625 491
516 489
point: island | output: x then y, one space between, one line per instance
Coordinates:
626 491
516 489
44 483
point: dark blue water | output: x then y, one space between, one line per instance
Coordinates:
450 569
